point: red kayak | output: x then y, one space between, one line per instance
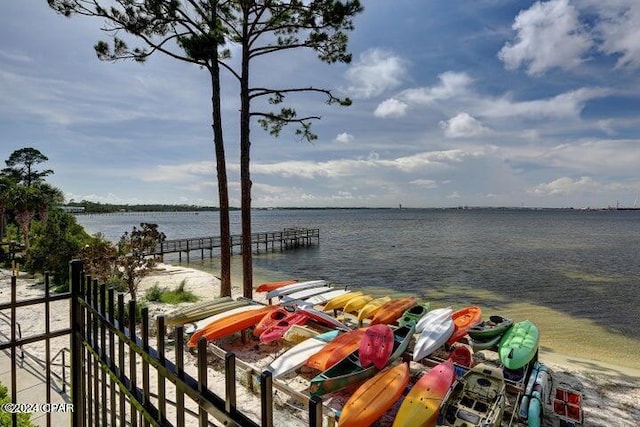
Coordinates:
336 350
278 314
376 346
276 331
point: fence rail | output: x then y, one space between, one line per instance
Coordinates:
119 377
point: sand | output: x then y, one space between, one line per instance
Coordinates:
611 394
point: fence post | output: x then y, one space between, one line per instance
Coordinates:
77 359
266 399
315 411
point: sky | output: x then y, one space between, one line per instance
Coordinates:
455 103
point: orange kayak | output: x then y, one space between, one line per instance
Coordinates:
391 311
270 286
230 324
463 320
375 397
336 350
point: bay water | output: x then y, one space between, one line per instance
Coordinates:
576 274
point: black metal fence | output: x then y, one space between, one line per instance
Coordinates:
111 367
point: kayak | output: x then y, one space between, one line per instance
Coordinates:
275 332
420 407
297 355
427 318
464 319
437 330
375 397
244 306
338 349
273 317
489 344
392 310
294 287
193 312
348 371
461 355
305 293
372 306
340 301
230 324
495 326
519 345
415 313
376 346
298 333
270 286
355 304
325 297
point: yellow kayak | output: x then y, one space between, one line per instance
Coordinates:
357 303
371 307
340 301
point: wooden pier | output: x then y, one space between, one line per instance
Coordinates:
289 238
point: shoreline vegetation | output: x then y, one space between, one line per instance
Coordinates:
610 392
86 207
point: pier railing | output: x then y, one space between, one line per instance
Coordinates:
289 238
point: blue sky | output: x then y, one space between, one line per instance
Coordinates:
478 103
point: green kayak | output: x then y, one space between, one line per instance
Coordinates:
415 313
519 345
495 326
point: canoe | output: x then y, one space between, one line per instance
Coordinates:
479 396
495 326
370 309
278 314
294 287
338 349
464 319
276 331
355 304
348 371
375 397
298 333
193 312
438 328
427 318
340 301
201 324
325 297
519 345
376 346
420 407
229 325
415 313
392 310
297 355
305 293
270 286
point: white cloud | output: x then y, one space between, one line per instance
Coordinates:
375 72
569 186
344 138
568 104
619 29
549 35
391 108
424 183
451 84
462 125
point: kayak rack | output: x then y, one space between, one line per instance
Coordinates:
253 375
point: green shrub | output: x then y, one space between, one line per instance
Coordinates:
24 420
167 296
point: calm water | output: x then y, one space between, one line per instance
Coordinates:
576 274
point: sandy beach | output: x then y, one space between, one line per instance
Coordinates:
611 394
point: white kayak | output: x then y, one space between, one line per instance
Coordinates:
433 314
436 331
297 355
286 290
325 297
306 293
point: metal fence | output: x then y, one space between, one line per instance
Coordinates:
111 366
